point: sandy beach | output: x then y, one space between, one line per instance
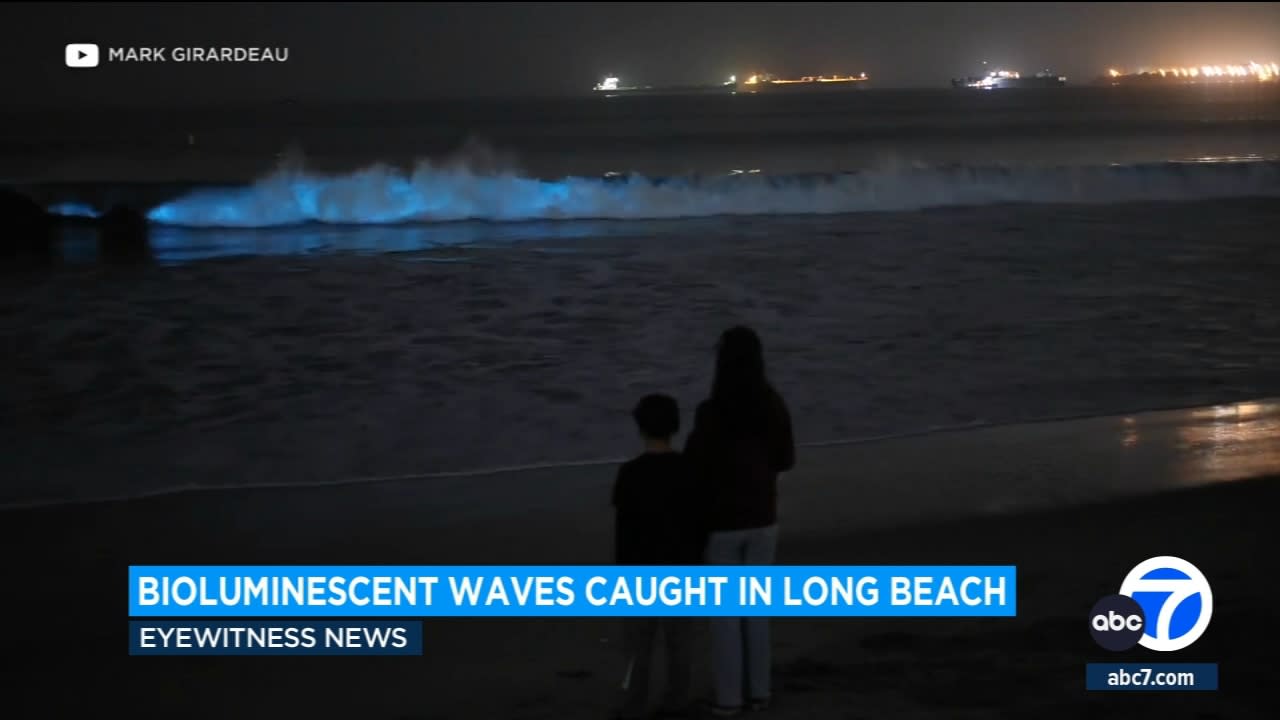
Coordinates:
1200 484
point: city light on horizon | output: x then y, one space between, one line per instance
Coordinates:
1262 72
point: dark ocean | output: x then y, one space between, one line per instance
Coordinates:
657 136
344 292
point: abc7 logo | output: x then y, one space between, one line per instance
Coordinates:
1164 604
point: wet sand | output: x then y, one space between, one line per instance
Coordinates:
1200 484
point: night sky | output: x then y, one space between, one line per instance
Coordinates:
372 51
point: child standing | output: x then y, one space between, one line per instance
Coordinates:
658 522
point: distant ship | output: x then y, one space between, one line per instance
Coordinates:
612 86
1204 74
1006 79
756 83
765 82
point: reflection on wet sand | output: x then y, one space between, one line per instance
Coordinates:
1016 468
1131 435
1230 442
1211 444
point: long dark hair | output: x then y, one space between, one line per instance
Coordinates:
741 389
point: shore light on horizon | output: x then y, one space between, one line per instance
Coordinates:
1262 72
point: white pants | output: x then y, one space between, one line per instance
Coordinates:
740 650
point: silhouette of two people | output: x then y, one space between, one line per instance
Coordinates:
715 503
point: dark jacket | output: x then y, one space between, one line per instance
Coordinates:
739 457
659 507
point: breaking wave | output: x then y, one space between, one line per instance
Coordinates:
428 193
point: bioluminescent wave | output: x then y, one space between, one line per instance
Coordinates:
74 209
384 195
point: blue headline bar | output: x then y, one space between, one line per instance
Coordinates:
573 591
263 637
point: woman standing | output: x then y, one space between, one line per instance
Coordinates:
741 440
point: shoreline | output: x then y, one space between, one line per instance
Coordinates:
1264 412
328 367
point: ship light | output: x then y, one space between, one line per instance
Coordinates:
609 83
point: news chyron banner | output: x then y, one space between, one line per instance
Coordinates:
377 610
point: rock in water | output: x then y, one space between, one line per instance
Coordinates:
123 235
26 230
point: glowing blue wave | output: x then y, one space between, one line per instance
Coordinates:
382 195
73 209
